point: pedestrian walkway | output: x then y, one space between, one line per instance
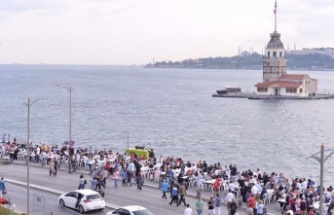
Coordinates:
191 192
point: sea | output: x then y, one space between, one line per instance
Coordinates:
171 111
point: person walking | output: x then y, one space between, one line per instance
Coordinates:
2 187
82 182
199 206
233 206
164 188
228 199
182 192
175 195
211 206
218 203
188 210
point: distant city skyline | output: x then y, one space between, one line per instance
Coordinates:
126 32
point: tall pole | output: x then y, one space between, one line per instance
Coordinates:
28 104
127 132
321 177
69 89
321 161
70 126
28 157
275 12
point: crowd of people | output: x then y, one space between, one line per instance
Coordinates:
174 175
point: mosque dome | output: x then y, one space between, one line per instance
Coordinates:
275 41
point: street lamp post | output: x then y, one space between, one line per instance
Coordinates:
28 104
69 89
321 160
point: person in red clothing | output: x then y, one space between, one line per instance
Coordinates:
292 203
311 212
303 207
251 203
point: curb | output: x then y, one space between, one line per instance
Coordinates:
53 191
110 206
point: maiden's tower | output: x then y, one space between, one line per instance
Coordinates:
276 81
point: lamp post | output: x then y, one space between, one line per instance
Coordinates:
28 104
69 89
321 160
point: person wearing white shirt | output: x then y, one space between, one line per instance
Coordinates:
231 187
188 210
228 199
254 190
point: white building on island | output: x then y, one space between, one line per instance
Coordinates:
276 82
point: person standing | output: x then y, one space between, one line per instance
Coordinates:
164 188
51 167
124 176
229 197
93 184
259 207
199 206
211 206
218 203
188 210
182 192
116 178
2 187
252 204
139 180
55 166
82 182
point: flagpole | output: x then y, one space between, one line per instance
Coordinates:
275 12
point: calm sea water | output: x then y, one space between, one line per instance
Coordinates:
172 111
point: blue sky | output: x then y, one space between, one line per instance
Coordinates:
126 32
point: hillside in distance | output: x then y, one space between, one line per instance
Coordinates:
250 61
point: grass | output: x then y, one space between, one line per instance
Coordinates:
5 211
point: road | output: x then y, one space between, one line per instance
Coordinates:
65 182
41 202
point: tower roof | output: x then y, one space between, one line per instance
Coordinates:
275 41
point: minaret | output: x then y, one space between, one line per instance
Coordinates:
274 61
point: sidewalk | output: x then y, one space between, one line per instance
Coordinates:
191 192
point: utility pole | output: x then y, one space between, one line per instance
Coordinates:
322 160
28 104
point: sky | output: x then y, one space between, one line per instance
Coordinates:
128 32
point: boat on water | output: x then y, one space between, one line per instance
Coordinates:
229 90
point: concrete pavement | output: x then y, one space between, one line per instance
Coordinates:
150 197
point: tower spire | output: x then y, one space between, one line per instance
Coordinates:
275 13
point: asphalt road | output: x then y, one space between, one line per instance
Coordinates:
41 202
65 182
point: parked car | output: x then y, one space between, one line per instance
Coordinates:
131 210
82 200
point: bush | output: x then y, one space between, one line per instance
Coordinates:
4 211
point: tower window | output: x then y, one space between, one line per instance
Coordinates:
274 54
268 54
280 54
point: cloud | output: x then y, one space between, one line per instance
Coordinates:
134 31
18 6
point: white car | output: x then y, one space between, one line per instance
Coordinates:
82 200
131 210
